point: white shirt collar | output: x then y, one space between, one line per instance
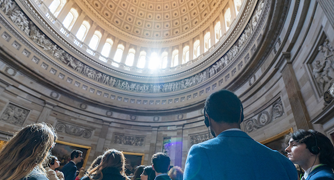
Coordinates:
307 172
233 129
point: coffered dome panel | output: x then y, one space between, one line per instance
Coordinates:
149 16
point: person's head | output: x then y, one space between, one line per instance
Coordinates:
26 150
160 162
176 173
53 162
223 109
148 173
76 156
306 148
95 163
111 158
139 170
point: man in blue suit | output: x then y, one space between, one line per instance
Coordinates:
233 155
70 168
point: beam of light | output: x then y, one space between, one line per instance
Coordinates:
154 61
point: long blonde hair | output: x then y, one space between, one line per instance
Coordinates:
26 150
111 158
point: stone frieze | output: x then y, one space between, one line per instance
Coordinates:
265 117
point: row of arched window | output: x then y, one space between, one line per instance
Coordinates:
155 61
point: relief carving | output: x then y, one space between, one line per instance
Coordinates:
128 139
18 17
198 138
14 114
323 69
73 130
265 117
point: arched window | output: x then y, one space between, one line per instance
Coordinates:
228 19
56 6
106 48
164 57
82 32
142 59
119 53
237 5
196 48
70 19
207 41
218 31
155 62
94 42
131 57
175 58
185 55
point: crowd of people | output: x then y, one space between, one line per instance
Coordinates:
230 155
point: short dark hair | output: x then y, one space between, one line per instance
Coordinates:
314 138
161 162
224 106
148 171
75 154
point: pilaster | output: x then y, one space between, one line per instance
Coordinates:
295 97
48 106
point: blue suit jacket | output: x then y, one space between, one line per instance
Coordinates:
321 173
69 171
233 155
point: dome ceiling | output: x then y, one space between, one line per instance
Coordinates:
154 19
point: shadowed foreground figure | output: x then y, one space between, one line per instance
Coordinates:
233 155
22 157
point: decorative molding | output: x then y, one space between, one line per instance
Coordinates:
265 117
83 106
10 71
109 113
131 140
74 130
54 95
198 138
14 114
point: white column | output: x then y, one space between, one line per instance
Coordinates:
201 42
148 55
191 49
222 23
212 34
170 57
136 56
102 41
180 54
232 8
125 53
90 33
78 23
113 50
66 9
